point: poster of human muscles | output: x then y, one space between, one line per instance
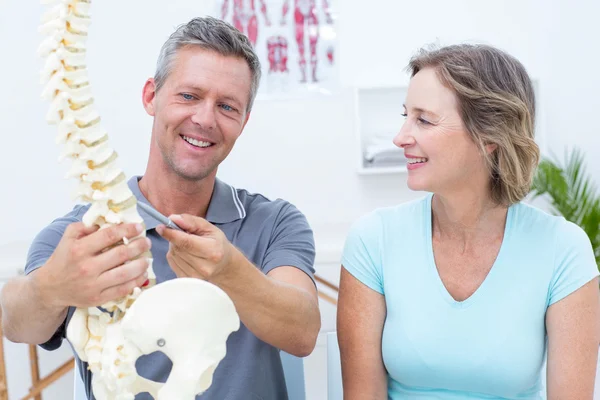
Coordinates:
294 39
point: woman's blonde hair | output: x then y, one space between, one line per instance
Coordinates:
497 106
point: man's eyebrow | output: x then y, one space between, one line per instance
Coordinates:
227 97
233 99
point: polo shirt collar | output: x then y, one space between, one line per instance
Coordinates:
225 205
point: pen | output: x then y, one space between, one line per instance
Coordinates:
158 216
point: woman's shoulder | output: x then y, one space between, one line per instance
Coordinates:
565 245
536 222
392 220
411 209
531 217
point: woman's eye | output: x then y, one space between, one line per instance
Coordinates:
424 122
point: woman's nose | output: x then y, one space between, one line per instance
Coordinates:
404 137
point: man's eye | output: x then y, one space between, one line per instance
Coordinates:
187 96
227 107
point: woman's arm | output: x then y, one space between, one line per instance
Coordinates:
573 326
360 317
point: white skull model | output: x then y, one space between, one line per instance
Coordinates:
188 320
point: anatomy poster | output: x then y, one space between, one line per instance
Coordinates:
294 39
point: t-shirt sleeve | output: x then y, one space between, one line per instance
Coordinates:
575 263
361 255
41 249
292 243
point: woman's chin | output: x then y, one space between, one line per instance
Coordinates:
417 185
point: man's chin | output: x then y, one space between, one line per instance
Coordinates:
190 170
193 175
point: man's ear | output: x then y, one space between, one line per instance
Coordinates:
246 121
148 96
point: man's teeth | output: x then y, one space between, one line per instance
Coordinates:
416 160
195 142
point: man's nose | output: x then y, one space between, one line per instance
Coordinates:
204 115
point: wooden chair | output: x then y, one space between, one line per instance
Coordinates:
12 261
37 384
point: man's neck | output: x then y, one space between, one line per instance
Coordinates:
174 195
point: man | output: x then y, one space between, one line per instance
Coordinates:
260 252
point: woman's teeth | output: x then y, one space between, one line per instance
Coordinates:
195 142
416 160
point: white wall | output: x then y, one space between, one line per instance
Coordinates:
572 81
306 162
300 149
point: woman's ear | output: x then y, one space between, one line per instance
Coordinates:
490 148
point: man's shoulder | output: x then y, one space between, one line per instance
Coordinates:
75 215
258 203
61 223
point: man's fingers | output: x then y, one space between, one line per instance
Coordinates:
180 267
117 292
120 254
172 235
193 224
124 273
110 236
77 230
186 242
124 288
199 246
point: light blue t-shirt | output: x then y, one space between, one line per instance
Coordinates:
490 346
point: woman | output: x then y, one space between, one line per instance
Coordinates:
454 295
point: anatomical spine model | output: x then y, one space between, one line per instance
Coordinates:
305 17
172 317
244 17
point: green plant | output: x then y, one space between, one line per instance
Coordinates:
572 194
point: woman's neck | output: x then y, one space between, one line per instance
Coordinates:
467 218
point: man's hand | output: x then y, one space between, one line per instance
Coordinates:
82 273
280 308
203 252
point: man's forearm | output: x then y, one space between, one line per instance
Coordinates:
26 316
278 313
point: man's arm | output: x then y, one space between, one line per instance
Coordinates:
29 314
77 272
280 308
27 317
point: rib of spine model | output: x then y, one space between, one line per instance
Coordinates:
101 182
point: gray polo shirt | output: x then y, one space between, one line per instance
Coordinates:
269 233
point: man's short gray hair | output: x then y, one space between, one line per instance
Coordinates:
211 34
